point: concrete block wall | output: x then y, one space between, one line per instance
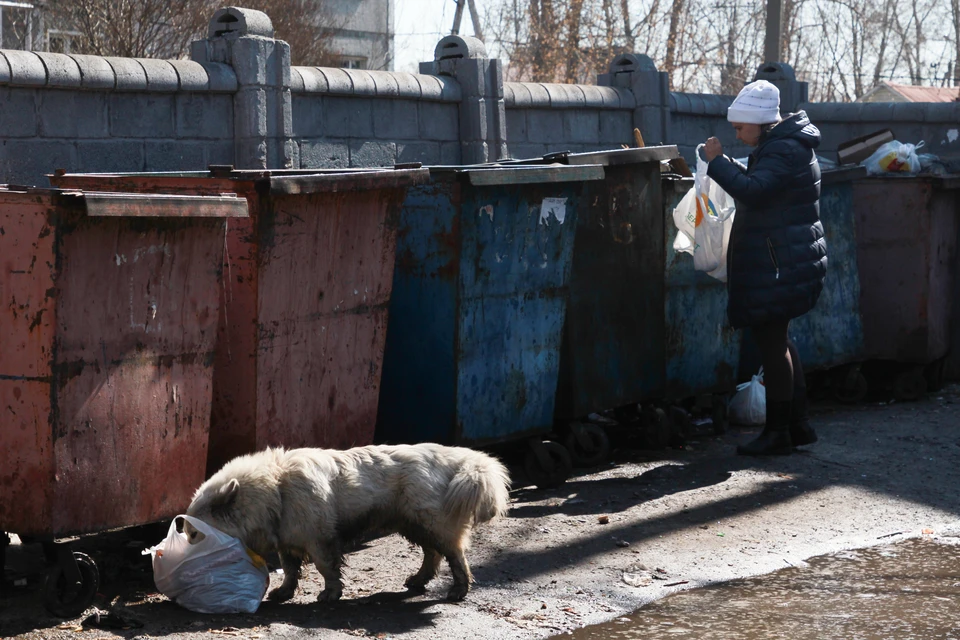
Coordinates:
354 118
544 118
238 101
86 113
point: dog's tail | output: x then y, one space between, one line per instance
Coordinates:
479 490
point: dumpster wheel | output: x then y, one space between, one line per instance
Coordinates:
910 384
547 464
65 600
852 388
587 444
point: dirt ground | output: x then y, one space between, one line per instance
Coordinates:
611 539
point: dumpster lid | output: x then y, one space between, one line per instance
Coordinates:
161 206
606 158
842 174
489 175
368 180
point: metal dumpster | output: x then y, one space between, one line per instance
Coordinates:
702 350
906 254
830 336
109 307
478 305
616 293
309 275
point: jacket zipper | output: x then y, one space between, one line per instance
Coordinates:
773 257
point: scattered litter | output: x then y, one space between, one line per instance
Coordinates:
69 626
890 535
226 631
622 543
110 620
675 584
603 520
927 532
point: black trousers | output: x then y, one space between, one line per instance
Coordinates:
782 369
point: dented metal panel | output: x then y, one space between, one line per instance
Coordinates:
702 350
307 284
906 254
613 350
106 365
832 333
478 306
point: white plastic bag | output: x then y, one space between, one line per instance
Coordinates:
894 157
217 574
704 218
749 404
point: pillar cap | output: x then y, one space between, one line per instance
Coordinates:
241 22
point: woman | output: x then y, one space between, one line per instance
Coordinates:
777 256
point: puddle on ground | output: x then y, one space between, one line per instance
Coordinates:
909 590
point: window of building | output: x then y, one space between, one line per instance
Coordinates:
347 62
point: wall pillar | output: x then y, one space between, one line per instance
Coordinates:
651 91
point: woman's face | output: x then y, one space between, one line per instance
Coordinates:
748 134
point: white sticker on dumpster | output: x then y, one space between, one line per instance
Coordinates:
488 210
556 206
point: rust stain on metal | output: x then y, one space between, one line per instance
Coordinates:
304 309
105 385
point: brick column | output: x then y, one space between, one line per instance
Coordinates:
262 114
483 123
651 91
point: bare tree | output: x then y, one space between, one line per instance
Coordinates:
165 28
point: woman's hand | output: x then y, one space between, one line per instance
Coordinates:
712 148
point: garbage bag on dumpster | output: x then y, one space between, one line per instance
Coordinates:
213 574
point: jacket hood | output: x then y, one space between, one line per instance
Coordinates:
798 127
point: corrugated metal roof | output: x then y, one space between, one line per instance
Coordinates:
925 94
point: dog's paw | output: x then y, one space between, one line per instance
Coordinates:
416 583
281 594
329 595
458 592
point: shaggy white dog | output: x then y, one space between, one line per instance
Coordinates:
313 502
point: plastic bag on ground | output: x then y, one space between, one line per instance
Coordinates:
749 404
217 574
704 218
894 157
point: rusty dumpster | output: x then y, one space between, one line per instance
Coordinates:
109 307
307 287
616 297
476 318
702 350
906 255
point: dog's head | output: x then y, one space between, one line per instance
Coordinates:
216 504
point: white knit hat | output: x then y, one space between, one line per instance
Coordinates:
757 103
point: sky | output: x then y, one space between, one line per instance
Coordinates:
420 24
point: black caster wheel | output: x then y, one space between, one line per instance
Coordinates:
67 598
547 464
910 385
658 430
587 444
851 387
934 375
718 413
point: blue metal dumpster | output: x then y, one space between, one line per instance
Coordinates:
479 297
702 350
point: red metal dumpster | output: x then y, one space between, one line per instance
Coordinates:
906 253
108 304
304 317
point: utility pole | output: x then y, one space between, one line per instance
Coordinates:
474 18
771 44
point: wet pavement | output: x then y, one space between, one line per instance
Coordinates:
909 590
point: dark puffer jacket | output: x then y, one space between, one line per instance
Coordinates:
777 257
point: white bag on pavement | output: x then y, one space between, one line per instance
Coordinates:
217 574
704 219
749 404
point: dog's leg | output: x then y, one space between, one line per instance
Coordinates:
461 575
428 570
328 560
291 576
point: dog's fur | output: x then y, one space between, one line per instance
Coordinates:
313 502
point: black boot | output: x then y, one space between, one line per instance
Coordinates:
775 438
801 432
